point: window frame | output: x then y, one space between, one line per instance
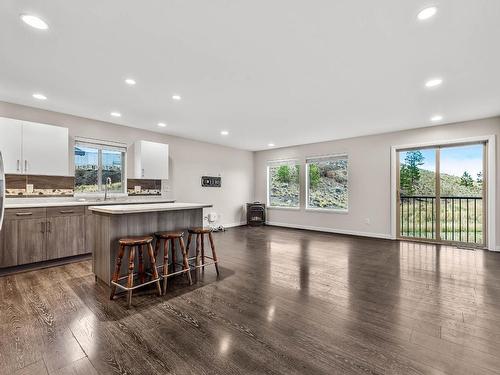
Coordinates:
101 146
275 163
319 209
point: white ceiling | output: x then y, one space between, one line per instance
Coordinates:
282 71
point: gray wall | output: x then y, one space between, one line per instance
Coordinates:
369 176
189 160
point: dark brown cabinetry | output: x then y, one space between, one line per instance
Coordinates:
65 232
38 234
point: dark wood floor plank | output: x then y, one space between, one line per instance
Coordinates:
287 302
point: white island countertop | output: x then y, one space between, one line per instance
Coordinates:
123 209
68 202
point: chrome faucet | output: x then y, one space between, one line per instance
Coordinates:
106 187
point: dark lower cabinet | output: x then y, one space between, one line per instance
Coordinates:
8 244
35 235
30 241
65 232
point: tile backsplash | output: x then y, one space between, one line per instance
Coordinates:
35 186
136 186
64 186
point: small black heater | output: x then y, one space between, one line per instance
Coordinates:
256 213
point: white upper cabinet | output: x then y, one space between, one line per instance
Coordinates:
151 160
11 132
33 148
45 149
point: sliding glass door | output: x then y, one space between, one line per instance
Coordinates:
418 193
441 194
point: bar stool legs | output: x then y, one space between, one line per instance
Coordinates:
153 267
133 243
200 248
130 279
169 239
214 254
118 267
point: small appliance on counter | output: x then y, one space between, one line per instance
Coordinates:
256 214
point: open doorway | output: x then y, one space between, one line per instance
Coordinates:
442 194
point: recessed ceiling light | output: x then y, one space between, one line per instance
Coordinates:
39 96
435 82
271 144
116 114
436 118
162 124
427 13
34 21
130 81
176 97
224 132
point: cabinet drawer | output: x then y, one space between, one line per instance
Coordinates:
65 211
25 213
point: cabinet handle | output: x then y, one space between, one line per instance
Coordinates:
67 212
49 227
25 166
24 213
18 165
142 172
43 227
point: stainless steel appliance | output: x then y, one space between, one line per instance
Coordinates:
2 191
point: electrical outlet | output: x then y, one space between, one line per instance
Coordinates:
29 188
367 221
137 189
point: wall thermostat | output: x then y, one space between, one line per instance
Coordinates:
209 181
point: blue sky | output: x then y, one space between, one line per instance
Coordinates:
91 157
454 160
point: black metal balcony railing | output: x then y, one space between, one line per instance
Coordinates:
461 218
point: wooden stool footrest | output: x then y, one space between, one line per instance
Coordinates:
135 286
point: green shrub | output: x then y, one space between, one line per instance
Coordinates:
314 175
283 174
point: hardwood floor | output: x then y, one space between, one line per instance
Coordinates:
288 302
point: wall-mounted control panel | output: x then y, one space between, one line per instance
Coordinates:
209 181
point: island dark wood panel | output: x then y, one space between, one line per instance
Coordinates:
287 302
108 229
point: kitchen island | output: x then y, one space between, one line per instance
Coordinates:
119 221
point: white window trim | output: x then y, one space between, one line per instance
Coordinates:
271 163
326 210
491 230
103 145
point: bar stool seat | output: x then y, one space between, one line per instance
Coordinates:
133 243
170 237
200 233
199 230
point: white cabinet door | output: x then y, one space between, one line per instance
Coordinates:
45 149
10 144
151 160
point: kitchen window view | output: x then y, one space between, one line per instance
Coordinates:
94 164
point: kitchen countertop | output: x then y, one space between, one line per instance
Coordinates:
55 202
123 209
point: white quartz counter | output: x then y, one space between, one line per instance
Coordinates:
123 209
55 202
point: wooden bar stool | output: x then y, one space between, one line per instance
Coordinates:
131 243
200 247
170 237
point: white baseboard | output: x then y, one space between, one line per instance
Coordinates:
332 230
232 225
